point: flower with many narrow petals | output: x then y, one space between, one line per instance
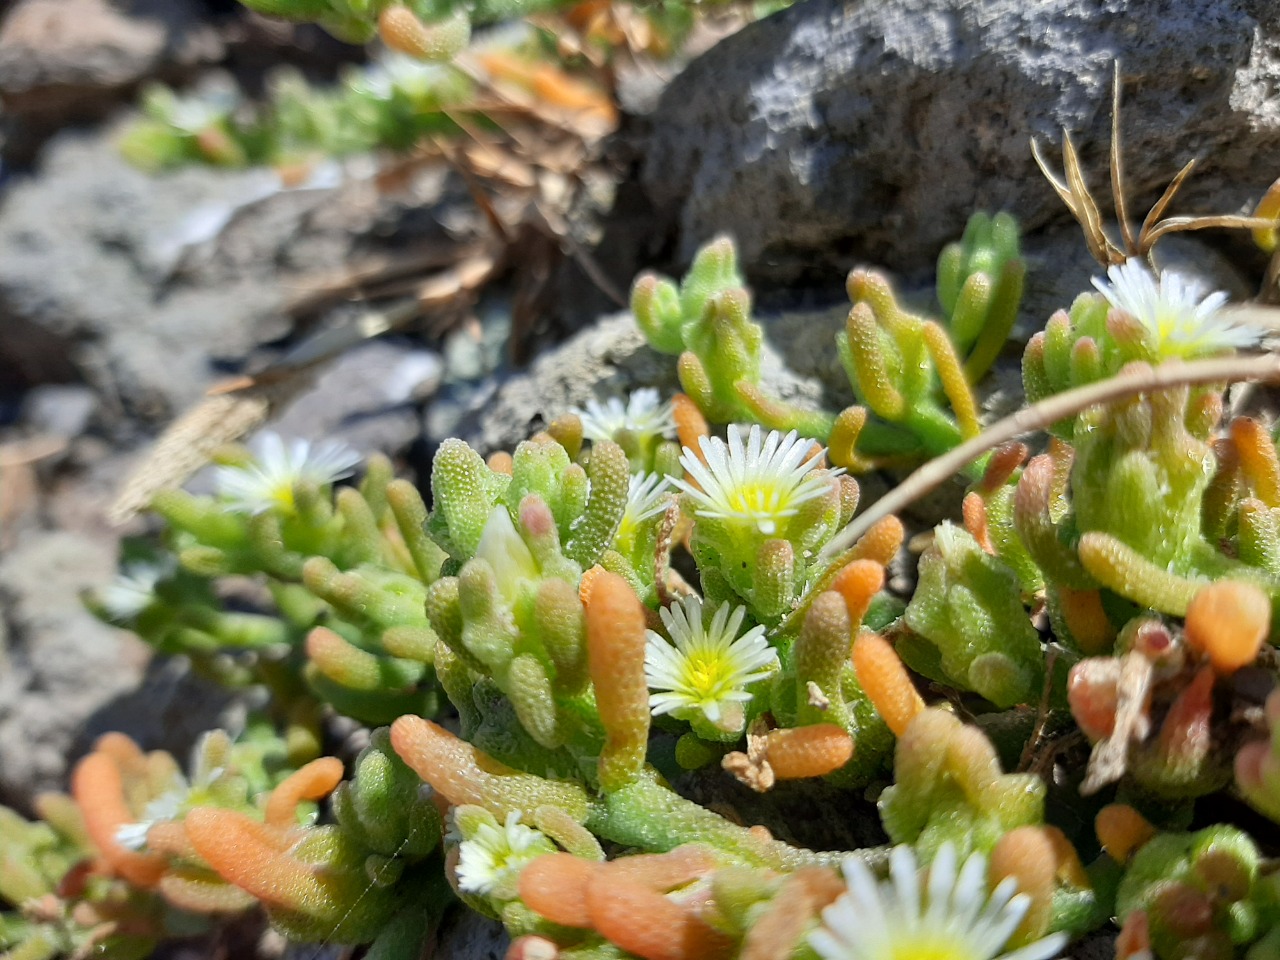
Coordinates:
950 916
495 853
132 590
709 667
1174 310
646 498
644 416
760 482
268 481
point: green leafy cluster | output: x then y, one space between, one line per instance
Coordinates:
1115 590
915 375
392 103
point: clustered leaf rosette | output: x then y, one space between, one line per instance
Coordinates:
967 625
510 617
706 321
1199 895
240 831
347 569
43 916
914 374
1141 492
421 28
391 103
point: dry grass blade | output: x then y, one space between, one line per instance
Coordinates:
1182 224
1166 198
1087 209
1117 163
1060 188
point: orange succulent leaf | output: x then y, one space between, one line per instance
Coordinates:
858 582
1027 853
555 886
811 751
1122 830
615 660
254 856
662 872
778 928
462 774
884 679
1228 621
652 926
691 425
313 781
98 788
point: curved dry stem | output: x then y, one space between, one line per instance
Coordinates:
1040 416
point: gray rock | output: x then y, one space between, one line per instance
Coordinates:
609 358
159 283
67 61
53 51
367 398
66 678
62 410
60 664
833 132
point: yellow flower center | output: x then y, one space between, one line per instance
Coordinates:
928 946
757 500
707 673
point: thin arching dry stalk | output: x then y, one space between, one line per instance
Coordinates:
1074 193
1040 416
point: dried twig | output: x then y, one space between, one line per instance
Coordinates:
1042 415
1074 192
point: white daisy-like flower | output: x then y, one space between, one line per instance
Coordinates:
1181 319
393 72
709 667
646 498
495 853
760 482
948 917
644 416
132 591
268 481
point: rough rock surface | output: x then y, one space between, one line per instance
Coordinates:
71 60
610 358
157 285
835 132
59 668
367 398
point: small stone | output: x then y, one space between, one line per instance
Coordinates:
60 410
